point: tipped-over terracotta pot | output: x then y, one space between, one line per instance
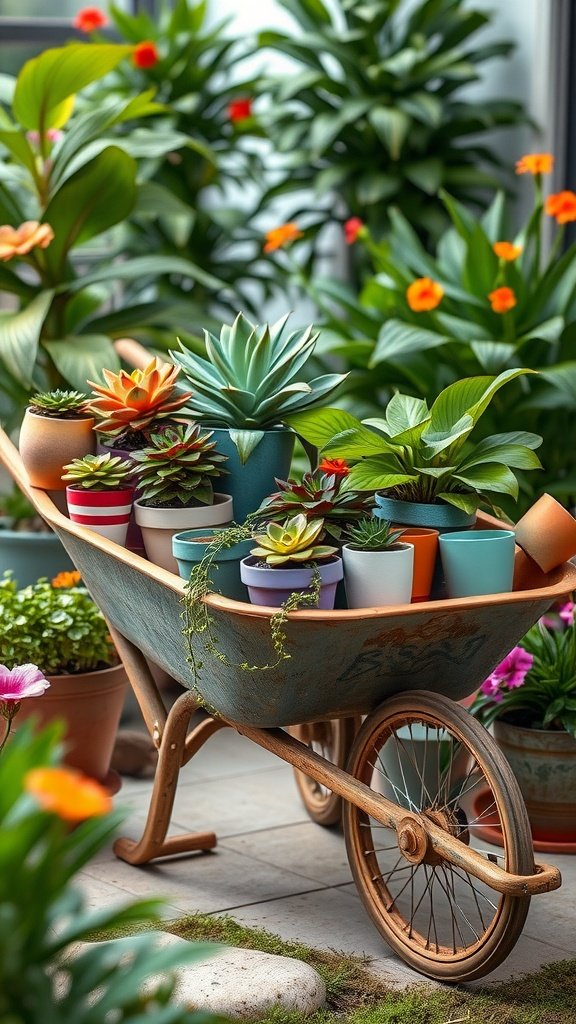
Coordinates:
547 533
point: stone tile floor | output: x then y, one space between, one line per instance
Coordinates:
276 869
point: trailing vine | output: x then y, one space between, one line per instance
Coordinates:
198 621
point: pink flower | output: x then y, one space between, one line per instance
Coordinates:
491 688
566 613
512 671
20 682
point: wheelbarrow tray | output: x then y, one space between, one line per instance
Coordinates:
340 663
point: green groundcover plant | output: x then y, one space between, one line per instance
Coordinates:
42 979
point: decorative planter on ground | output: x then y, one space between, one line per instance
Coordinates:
97 494
246 386
56 429
378 570
28 548
286 561
190 547
175 478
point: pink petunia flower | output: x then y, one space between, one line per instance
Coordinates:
20 682
512 671
566 613
491 688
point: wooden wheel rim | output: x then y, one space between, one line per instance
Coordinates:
494 940
331 738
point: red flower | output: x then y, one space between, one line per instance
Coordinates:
240 109
352 229
145 55
89 19
562 206
502 299
334 467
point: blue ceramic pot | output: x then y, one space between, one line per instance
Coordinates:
251 482
439 516
478 561
32 555
189 547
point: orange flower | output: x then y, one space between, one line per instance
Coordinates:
66 579
561 205
507 251
145 55
277 238
67 793
334 467
89 19
502 299
19 241
424 294
535 163
352 229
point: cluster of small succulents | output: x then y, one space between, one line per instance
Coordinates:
372 535
178 467
60 404
99 472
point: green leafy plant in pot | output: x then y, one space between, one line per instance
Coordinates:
57 626
175 477
530 702
99 494
245 387
420 459
378 567
284 562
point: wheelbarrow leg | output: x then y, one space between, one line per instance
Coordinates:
175 747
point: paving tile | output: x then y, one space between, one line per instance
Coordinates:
202 882
315 852
527 956
99 893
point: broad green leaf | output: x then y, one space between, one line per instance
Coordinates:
462 219
356 443
481 264
392 126
404 412
45 82
490 477
467 397
148 266
327 127
20 335
563 377
425 174
318 426
549 330
517 456
467 502
82 358
397 339
493 220
492 355
374 475
246 441
95 198
17 144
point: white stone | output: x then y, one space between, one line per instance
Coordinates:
246 983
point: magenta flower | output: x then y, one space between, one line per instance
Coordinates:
510 673
20 682
491 688
566 613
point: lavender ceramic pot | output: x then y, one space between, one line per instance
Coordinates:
272 587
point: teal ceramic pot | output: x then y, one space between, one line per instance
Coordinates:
253 481
189 547
478 561
32 555
439 516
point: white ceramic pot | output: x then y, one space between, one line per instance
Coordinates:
376 578
159 525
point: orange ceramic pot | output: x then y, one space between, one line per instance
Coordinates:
425 543
47 444
547 533
90 705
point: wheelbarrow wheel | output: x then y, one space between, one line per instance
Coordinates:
332 739
430 756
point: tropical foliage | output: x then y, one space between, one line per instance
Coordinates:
67 181
422 454
376 111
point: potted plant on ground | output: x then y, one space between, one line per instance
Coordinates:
57 427
530 701
99 495
284 562
421 459
28 547
378 567
175 478
58 627
245 388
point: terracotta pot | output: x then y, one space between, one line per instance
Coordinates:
47 444
105 512
159 526
544 763
425 544
547 532
90 705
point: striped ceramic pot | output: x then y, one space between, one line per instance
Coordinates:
105 512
